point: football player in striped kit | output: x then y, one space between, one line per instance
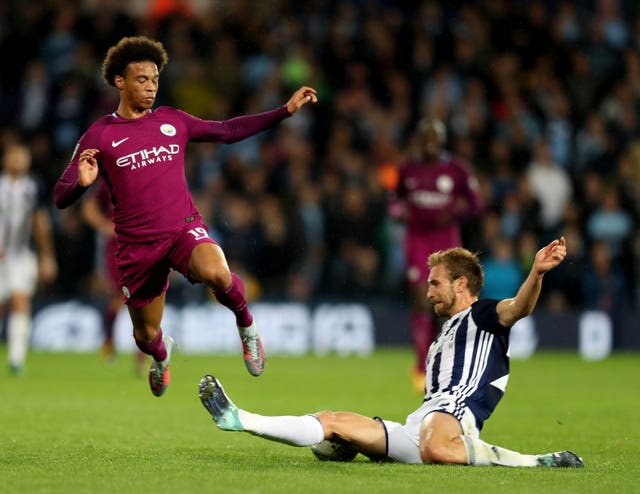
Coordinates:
24 222
467 373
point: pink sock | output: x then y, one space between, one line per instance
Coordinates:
233 298
155 348
421 336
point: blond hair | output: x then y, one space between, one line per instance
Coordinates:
460 262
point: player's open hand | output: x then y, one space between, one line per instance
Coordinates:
300 98
550 256
88 167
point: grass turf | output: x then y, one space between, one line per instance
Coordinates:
76 424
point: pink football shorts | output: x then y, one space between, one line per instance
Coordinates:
420 245
144 267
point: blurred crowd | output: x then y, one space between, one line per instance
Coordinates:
542 98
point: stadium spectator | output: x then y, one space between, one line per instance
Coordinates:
502 270
590 143
603 284
353 228
610 223
459 397
59 44
436 192
34 91
24 219
139 151
280 246
551 185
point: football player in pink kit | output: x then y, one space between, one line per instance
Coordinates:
435 192
139 153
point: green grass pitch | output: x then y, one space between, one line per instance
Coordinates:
76 424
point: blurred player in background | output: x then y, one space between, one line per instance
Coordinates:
436 191
467 373
97 211
24 221
139 152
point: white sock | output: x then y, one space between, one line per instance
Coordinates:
303 430
252 329
18 332
480 453
167 359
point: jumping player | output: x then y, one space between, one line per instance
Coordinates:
467 373
436 191
139 152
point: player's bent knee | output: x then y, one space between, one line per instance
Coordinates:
325 416
437 454
217 278
328 420
145 334
430 455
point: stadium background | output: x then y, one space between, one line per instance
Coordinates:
532 92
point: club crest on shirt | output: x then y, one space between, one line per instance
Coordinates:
168 130
444 183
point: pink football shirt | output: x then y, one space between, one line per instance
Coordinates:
142 162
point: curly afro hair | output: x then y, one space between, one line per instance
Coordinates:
132 49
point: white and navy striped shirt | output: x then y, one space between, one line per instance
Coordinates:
468 363
19 199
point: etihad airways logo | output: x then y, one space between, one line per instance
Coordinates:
146 157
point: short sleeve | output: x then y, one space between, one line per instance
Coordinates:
485 315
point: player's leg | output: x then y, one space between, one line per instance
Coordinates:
114 302
144 270
19 275
302 430
422 330
207 264
18 330
442 440
114 299
421 322
146 326
417 248
366 435
151 341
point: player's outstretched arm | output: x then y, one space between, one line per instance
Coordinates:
300 98
511 310
550 256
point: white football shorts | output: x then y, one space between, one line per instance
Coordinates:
19 274
403 440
